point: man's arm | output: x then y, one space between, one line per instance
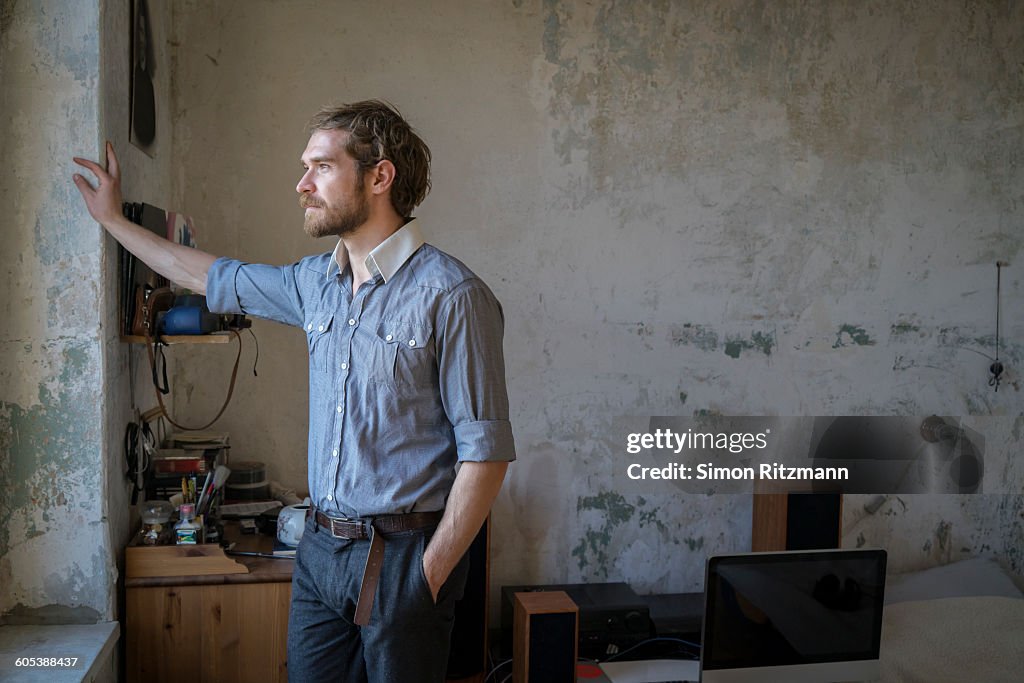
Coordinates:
471 369
182 265
475 488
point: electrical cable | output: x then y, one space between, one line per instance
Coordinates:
131 456
586 660
654 640
139 448
496 668
997 368
257 342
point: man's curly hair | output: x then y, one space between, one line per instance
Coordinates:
377 131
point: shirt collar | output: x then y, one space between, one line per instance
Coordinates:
388 256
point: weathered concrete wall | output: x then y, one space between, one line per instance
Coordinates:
64 393
54 547
787 208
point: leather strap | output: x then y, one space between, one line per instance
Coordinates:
151 342
371 577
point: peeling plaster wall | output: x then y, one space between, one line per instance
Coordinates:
54 545
64 392
786 208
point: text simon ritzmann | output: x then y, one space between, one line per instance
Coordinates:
706 471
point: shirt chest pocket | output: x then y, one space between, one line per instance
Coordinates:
405 356
318 336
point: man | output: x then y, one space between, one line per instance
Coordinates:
406 380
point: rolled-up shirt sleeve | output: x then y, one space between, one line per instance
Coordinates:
263 291
471 370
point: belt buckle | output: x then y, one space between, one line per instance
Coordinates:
334 521
355 521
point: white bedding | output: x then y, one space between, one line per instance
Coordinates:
953 639
963 579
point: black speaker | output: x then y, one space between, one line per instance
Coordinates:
814 521
545 636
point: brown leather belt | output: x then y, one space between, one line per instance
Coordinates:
373 529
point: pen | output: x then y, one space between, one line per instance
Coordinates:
203 495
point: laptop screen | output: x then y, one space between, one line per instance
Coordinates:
793 608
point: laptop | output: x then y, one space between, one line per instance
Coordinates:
803 616
798 616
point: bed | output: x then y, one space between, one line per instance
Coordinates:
959 622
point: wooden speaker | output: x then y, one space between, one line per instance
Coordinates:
545 633
798 520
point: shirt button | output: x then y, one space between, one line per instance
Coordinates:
412 342
389 337
309 326
330 497
339 409
335 452
351 321
344 366
320 329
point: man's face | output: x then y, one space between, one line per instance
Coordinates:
331 190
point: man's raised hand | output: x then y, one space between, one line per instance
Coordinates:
104 200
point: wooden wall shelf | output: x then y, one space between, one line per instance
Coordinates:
212 338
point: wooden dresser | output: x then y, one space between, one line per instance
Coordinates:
215 627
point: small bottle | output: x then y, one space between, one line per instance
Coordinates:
186 531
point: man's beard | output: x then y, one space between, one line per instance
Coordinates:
340 221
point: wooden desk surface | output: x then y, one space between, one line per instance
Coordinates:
261 569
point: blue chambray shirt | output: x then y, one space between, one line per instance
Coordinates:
406 377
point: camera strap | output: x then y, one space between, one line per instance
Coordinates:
161 363
151 344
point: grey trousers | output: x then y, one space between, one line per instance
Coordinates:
408 637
